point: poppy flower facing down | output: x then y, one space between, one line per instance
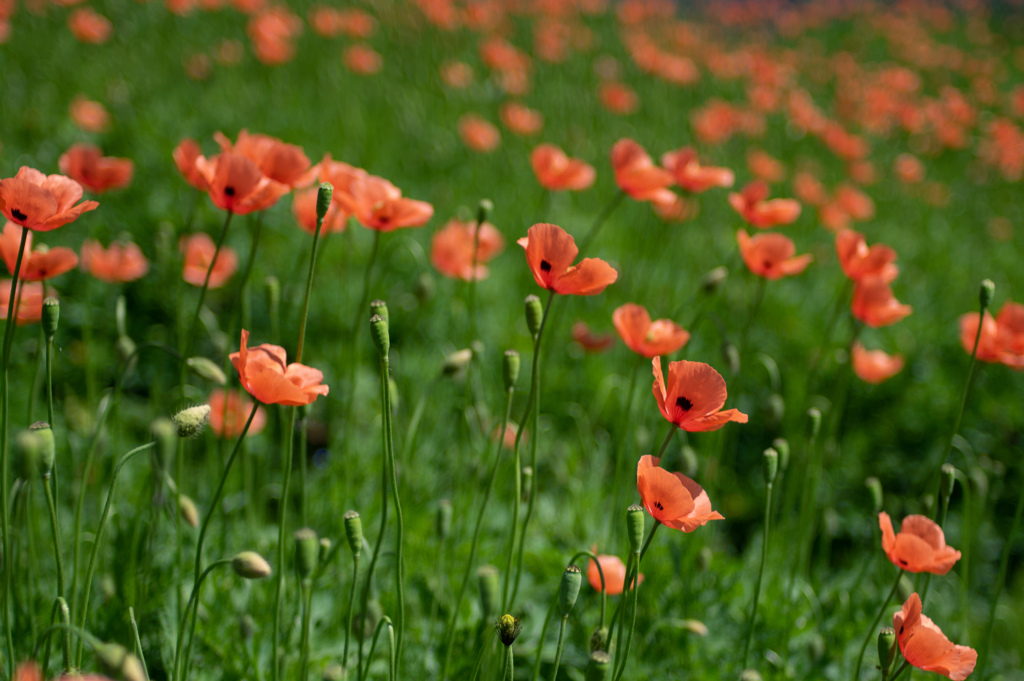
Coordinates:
229 410
693 397
875 366
237 185
859 261
199 249
614 574
874 304
920 545
550 251
378 204
647 338
691 176
672 498
37 265
87 165
266 375
451 250
636 174
753 205
41 202
924 646
771 256
557 172
122 262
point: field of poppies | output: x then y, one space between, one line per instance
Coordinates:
379 340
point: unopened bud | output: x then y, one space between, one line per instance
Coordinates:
190 422
508 628
125 348
814 421
307 548
187 509
26 446
770 465
599 640
948 480
204 368
483 211
527 483
487 581
444 519
333 672
323 199
988 289
569 589
635 527
510 364
781 445
598 666
47 447
695 627
379 331
117 662
121 316
874 486
51 316
166 437
354 532
713 279
534 314
731 355
250 565
456 362
378 306
325 550
886 649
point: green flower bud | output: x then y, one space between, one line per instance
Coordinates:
26 446
117 662
508 628
599 640
598 666
378 306
47 447
483 211
534 314
444 519
487 580
569 589
948 480
695 627
51 316
510 364
781 445
713 279
874 486
354 532
527 483
886 649
204 368
988 289
325 550
731 355
250 565
323 199
166 438
190 422
125 348
770 465
379 331
456 362
307 549
635 527
776 408
187 509
814 421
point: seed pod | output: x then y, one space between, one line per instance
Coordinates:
776 408
487 580
781 445
323 199
325 550
26 447
569 589
204 368
713 279
444 519
250 565
354 532
47 447
166 441
307 548
814 421
886 649
51 317
988 289
635 527
599 640
456 362
534 314
381 338
378 306
770 465
187 509
190 422
510 364
598 666
508 628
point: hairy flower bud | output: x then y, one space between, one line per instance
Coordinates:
250 565
190 421
47 452
51 317
324 194
569 589
381 338
307 547
204 368
354 532
378 306
770 465
988 289
510 364
534 314
598 666
635 527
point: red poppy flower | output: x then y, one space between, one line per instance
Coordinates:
765 167
304 209
550 251
86 164
122 262
378 204
185 155
809 189
636 174
521 119
753 206
88 115
924 646
272 32
614 574
588 340
279 161
36 265
854 202
29 308
771 255
645 337
266 375
908 169
229 410
672 498
362 59
478 134
1002 338
457 74
618 98
237 185
557 172
693 397
41 202
874 304
451 250
920 545
199 249
679 209
691 175
875 366
89 27
988 350
859 261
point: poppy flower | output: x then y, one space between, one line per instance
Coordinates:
85 164
41 202
908 169
920 545
89 27
874 304
29 307
550 251
362 59
229 410
875 366
557 172
854 202
521 119
859 261
645 337
1002 337
614 574
185 155
618 98
771 255
266 375
478 134
37 265
924 646
693 397
691 176
88 115
451 250
679 209
279 161
636 174
764 166
588 340
809 189
237 185
672 498
304 209
457 74
272 32
378 204
199 249
122 262
753 205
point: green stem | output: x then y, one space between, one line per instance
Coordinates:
509 667
900 671
373 564
632 622
80 633
672 428
281 522
600 572
561 642
599 222
389 444
307 598
186 347
309 289
472 282
619 446
535 674
414 421
58 555
192 606
873 631
351 607
755 306
353 359
1004 563
138 642
631 573
60 607
760 573
384 621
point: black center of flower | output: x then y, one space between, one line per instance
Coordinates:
767 264
903 562
657 505
229 191
545 265
18 215
684 404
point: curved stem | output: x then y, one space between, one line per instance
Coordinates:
561 642
373 564
874 627
309 289
373 646
46 633
60 607
1004 563
632 622
186 346
307 598
760 573
630 582
58 551
364 300
351 606
138 643
668 438
389 447
193 607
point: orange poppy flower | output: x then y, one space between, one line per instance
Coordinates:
185 155
362 59
753 205
588 340
89 27
86 164
304 209
924 646
854 202
691 175
478 134
36 265
199 249
237 185
679 209
378 204
672 498
521 119
771 255
645 337
550 251
875 366
229 410
920 545
874 304
859 261
457 74
636 174
265 374
41 202
89 116
693 397
451 250
341 176
908 169
122 262
618 98
557 172
29 307
279 161
809 189
765 167
614 574
272 32
1010 334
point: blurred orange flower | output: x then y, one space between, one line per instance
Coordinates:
41 202
614 574
198 250
229 410
88 115
920 545
457 74
478 134
1002 338
304 209
89 27
451 250
691 175
378 204
273 32
618 98
29 307
550 251
693 397
557 172
266 375
279 161
637 175
237 185
588 340
874 303
908 169
875 366
859 261
672 498
362 59
521 119
185 155
86 164
753 205
645 337
764 166
772 255
122 262
38 265
924 646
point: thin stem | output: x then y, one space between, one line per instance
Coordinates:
373 564
509 671
472 281
58 554
600 572
755 306
561 642
138 642
307 597
874 627
45 636
630 581
309 290
281 522
619 446
1004 563
351 607
193 607
632 622
601 218
900 671
672 428
535 674
384 621
389 445
414 421
60 608
186 347
760 572
353 361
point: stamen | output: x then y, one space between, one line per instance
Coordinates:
684 404
545 265
18 215
229 191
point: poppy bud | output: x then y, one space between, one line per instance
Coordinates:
886 649
116 661
250 565
125 348
770 465
187 509
323 199
379 331
47 448
354 532
527 483
483 211
444 519
731 355
713 279
948 480
508 628
534 314
333 672
781 445
378 306
306 550
204 368
750 675
510 368
190 422
695 627
325 550
776 408
569 589
51 316
166 441
273 291
599 640
814 418
874 486
456 362
598 666
26 445
635 527
487 580
988 289
246 626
